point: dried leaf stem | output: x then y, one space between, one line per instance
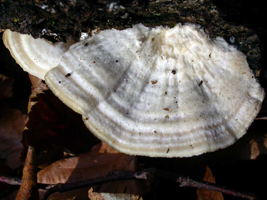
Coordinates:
148 174
28 189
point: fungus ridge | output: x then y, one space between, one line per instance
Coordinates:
123 84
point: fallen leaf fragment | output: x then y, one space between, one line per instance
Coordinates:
257 146
38 87
96 163
101 160
204 194
112 196
52 125
251 145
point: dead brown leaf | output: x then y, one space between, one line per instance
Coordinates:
98 162
249 147
53 127
12 123
38 87
257 146
203 194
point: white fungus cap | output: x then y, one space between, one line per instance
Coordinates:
164 92
159 92
36 56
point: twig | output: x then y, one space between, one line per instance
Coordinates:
210 186
148 174
10 180
28 189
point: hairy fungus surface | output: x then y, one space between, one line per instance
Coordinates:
36 56
163 92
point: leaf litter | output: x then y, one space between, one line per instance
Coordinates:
46 118
12 121
49 125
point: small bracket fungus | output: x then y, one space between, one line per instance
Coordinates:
36 56
160 92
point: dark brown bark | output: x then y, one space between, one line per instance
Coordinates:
59 20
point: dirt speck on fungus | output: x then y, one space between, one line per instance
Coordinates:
68 75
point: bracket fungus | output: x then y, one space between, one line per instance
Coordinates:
159 92
36 56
